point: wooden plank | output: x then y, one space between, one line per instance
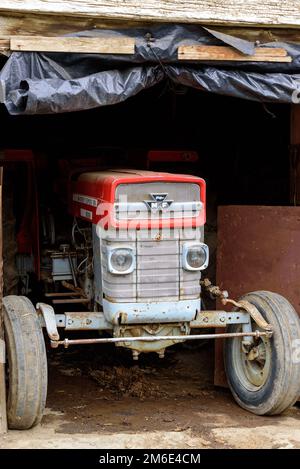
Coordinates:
227 53
70 301
91 45
3 417
4 44
62 294
236 12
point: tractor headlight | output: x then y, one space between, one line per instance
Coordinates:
195 256
121 260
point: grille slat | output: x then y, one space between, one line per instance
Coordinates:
157 262
158 269
158 290
150 275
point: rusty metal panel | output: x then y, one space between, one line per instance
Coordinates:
258 249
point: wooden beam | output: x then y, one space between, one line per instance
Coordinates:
91 45
3 417
56 25
227 53
260 35
235 12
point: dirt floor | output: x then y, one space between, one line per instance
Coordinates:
100 398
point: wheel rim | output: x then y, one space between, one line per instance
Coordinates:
252 368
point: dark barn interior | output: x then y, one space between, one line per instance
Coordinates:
243 146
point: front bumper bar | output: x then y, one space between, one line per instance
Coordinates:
151 312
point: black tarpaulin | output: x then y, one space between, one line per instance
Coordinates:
40 83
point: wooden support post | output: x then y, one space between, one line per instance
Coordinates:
3 418
295 155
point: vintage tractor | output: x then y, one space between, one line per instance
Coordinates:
128 270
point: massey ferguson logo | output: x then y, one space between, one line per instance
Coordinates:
158 203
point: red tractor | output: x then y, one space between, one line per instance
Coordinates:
124 262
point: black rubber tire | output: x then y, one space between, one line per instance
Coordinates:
282 386
27 363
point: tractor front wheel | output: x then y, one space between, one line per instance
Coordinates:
265 379
26 363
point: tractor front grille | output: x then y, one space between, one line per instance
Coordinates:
158 276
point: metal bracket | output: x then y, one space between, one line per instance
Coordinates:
252 310
82 321
50 320
219 319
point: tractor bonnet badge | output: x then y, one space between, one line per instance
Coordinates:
158 203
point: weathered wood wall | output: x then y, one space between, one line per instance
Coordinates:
235 12
3 419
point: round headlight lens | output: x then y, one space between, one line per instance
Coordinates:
196 257
121 260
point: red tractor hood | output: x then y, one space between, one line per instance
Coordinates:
93 197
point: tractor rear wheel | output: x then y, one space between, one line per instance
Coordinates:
26 363
267 380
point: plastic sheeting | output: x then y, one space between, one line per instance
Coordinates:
37 83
